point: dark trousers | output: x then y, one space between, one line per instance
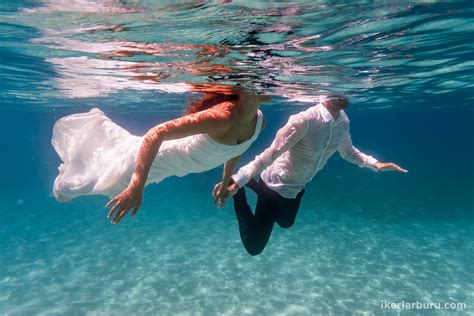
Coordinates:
255 229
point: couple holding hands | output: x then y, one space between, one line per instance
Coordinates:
100 157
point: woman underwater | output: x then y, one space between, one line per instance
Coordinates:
100 157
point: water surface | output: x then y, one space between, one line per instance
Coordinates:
360 237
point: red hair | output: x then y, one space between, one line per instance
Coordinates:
208 100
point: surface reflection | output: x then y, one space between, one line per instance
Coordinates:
377 53
98 6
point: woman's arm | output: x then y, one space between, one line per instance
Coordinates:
212 120
220 191
215 120
229 167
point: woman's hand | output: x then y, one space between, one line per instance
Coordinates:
130 198
219 194
222 194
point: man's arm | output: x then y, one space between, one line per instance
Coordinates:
294 130
352 154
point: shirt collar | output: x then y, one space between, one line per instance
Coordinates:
327 116
343 116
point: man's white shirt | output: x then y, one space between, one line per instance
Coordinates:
300 149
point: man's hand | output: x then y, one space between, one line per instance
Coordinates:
389 166
222 194
130 198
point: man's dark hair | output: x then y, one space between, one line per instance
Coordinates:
342 99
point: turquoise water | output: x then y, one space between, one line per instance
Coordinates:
360 237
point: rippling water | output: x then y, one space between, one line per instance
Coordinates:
381 53
360 237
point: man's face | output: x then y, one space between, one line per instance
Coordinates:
340 103
343 103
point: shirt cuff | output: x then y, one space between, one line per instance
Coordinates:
370 162
240 179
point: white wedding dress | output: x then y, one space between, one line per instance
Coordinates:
99 156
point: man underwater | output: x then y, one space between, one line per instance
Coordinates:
300 149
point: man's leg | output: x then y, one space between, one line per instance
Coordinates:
287 209
255 229
254 185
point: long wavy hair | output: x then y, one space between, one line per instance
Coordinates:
208 100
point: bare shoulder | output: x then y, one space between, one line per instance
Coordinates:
225 110
227 105
219 117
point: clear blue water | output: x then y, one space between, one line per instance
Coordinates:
360 237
